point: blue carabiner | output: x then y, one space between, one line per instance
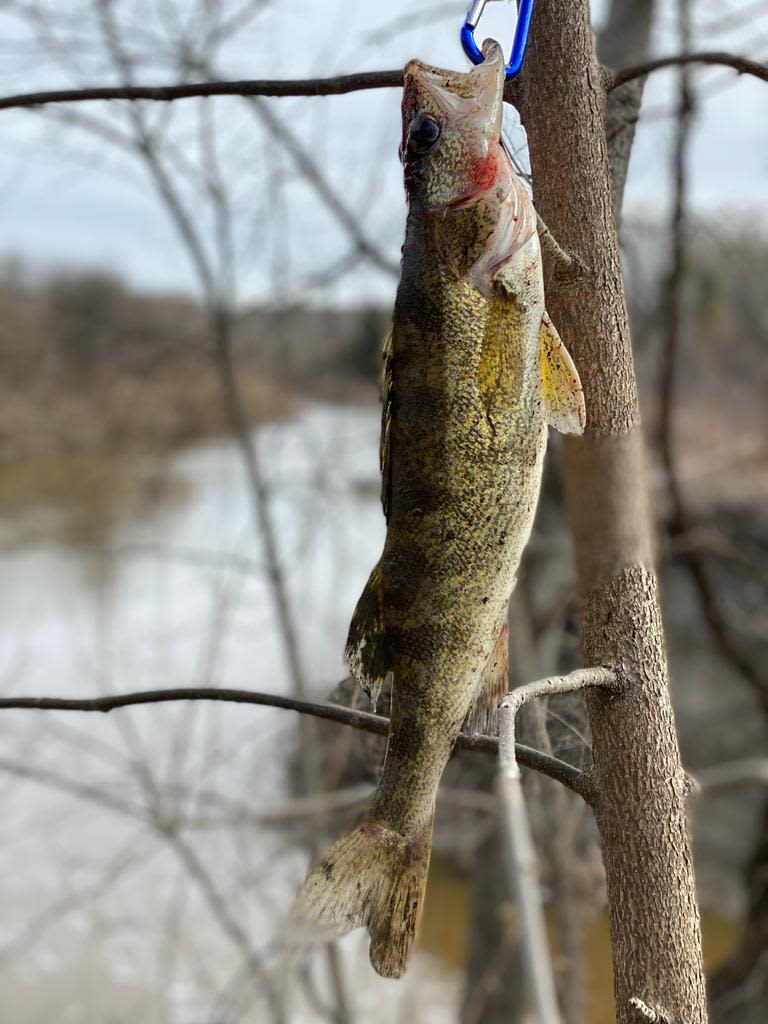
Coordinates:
522 29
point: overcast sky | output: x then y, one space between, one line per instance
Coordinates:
68 199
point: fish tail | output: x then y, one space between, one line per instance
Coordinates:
372 877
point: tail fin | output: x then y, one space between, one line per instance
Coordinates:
375 878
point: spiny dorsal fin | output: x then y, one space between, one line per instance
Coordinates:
560 385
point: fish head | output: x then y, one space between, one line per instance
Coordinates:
451 148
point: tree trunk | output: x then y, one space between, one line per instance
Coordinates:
640 809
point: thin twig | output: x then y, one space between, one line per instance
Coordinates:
743 65
363 720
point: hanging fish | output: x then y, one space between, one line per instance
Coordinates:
474 372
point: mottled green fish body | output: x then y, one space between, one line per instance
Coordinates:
474 371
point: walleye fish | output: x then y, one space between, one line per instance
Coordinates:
474 372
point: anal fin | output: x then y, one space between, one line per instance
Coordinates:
493 684
367 653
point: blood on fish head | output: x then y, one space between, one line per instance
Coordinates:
451 147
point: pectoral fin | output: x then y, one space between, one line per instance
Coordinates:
560 385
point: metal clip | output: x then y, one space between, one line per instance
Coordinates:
522 29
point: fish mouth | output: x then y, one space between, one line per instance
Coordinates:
432 90
484 81
473 98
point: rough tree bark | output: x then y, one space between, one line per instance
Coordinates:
641 805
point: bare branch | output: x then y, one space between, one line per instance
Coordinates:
363 720
307 166
407 22
335 86
743 65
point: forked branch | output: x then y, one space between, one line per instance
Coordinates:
581 679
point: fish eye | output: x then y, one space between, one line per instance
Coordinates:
423 133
